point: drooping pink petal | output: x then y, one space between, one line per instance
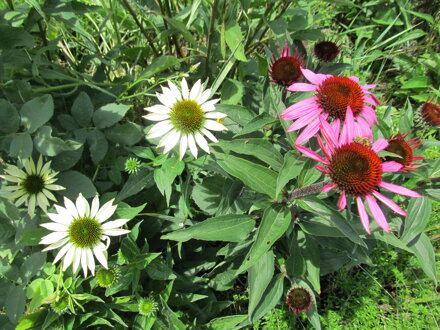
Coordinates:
304 104
301 122
324 147
348 130
370 115
391 166
354 78
399 189
302 87
308 132
389 203
330 136
314 78
322 169
363 128
342 202
365 87
328 187
365 220
370 100
311 154
312 108
379 145
377 213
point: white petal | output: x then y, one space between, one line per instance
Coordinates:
82 206
29 165
158 108
173 140
42 201
15 171
106 211
76 259
95 206
49 195
101 255
116 232
114 224
201 141
156 117
203 97
215 115
159 129
183 146
63 215
210 105
45 168
214 126
21 200
168 94
62 252
196 90
53 237
209 135
84 262
192 145
31 205
165 100
54 187
53 226
10 178
69 257
56 244
174 90
71 208
185 90
91 261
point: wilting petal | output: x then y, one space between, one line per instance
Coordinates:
377 213
389 203
365 220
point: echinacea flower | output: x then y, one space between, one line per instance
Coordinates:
299 299
430 112
184 117
356 169
338 99
132 165
33 185
147 306
326 50
79 230
286 69
398 145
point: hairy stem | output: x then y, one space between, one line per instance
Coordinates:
304 191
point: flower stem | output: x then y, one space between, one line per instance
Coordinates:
304 191
210 34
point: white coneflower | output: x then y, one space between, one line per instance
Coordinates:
79 229
32 185
185 116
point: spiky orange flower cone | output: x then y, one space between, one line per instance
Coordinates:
286 69
326 50
430 112
299 299
398 145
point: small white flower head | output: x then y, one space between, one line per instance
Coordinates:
147 306
79 230
33 185
186 117
132 165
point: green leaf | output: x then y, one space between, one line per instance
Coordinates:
135 183
424 252
159 270
98 145
237 113
157 65
166 174
36 112
258 148
76 183
256 123
39 291
32 265
82 109
109 114
320 208
228 228
9 117
274 224
126 134
33 237
312 256
52 146
291 168
29 321
255 176
234 40
270 298
232 91
12 37
21 146
15 303
417 82
419 213
125 211
259 277
226 322
182 30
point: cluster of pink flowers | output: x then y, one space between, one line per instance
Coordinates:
340 115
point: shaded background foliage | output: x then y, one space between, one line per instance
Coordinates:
75 77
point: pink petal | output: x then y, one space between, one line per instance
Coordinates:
363 128
302 87
348 131
342 203
354 78
308 132
314 78
301 122
322 169
324 148
328 187
363 215
379 145
365 87
301 105
330 136
418 158
312 108
377 213
368 99
399 189
389 203
391 166
311 154
370 115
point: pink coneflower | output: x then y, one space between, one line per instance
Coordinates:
404 149
326 50
299 299
430 112
356 169
339 99
286 69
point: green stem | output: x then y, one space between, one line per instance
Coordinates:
210 33
55 88
304 191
